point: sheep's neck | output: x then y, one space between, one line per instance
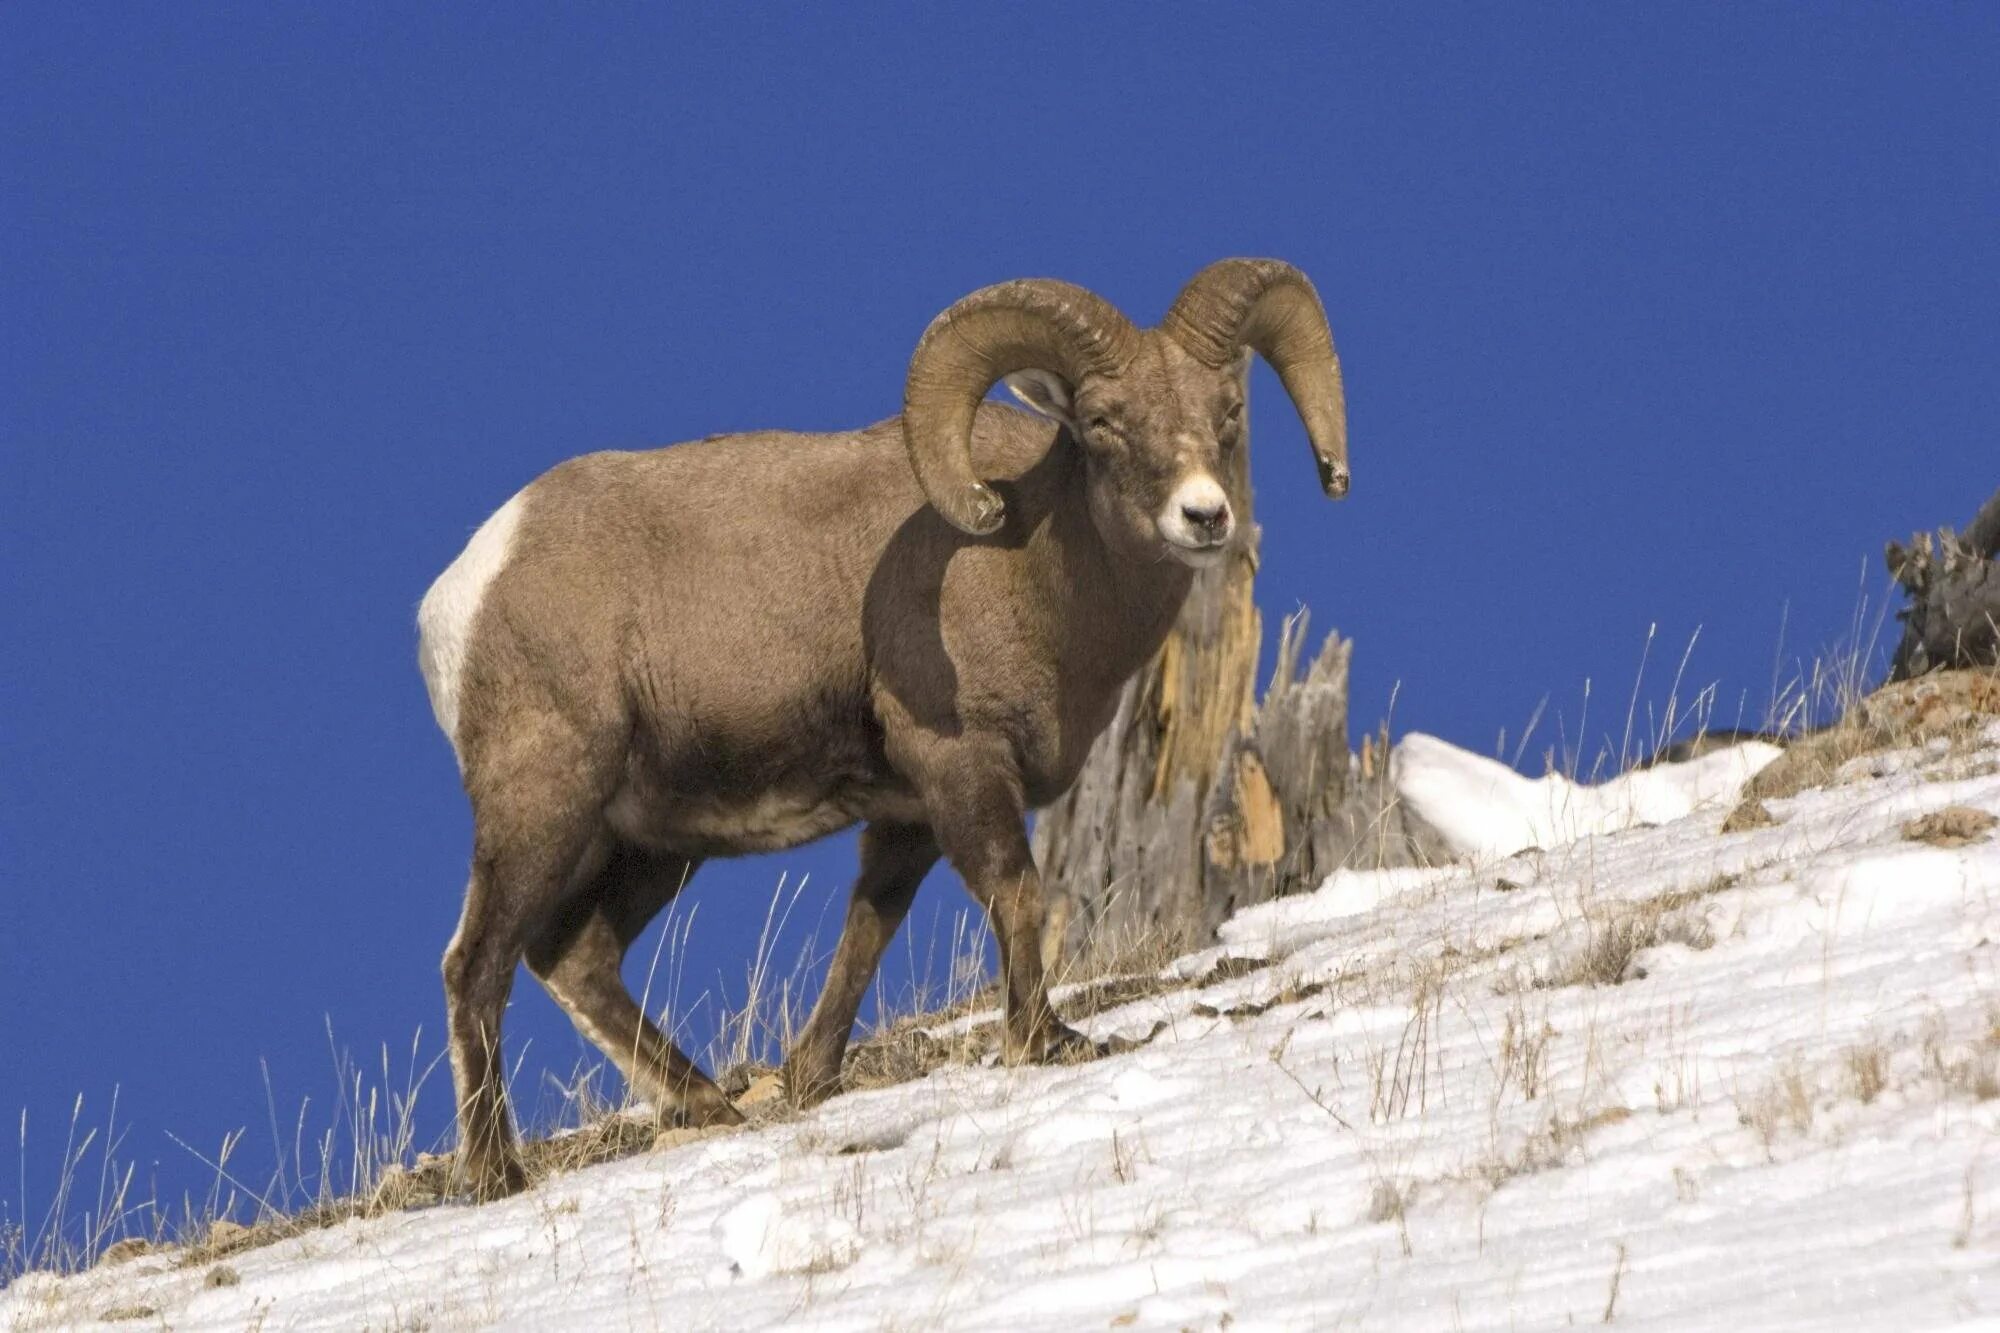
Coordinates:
1119 608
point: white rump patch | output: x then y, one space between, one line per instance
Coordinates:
446 615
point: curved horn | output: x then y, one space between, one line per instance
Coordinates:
1271 306
1028 324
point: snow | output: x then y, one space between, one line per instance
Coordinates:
1484 808
1654 1073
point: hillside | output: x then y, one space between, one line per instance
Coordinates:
1657 1076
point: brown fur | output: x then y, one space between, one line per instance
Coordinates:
744 643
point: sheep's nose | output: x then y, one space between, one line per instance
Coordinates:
1210 520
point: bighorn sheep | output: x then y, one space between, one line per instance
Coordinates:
743 643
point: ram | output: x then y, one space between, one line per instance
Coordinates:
739 644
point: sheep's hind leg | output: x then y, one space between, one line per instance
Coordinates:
531 829
894 860
577 955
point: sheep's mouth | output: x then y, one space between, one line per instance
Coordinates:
1204 555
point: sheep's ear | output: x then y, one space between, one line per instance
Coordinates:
1043 392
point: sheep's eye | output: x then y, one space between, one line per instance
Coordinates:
1100 425
1232 422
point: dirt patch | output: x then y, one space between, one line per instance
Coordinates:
1749 814
125 1250
1290 993
906 1053
1230 969
1098 996
1953 826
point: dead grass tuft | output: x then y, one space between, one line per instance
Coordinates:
1969 1070
1386 1203
1617 935
1123 953
1613 944
605 1139
1609 956
1557 1142
1786 1103
1524 1049
1868 1070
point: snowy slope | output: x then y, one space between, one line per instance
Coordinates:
1682 1079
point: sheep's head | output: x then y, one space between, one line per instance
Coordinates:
1155 411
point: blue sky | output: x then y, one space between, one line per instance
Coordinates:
1649 316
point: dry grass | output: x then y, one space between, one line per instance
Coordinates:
368 1162
1556 1142
1614 941
1963 1066
1786 1103
1107 954
1617 935
1948 706
321 1177
1815 761
1969 1069
1868 1070
1524 1049
1803 690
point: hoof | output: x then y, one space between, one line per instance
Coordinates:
806 1088
497 1177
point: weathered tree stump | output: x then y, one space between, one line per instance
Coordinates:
1290 804
1953 619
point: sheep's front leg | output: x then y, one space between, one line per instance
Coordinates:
894 861
980 821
